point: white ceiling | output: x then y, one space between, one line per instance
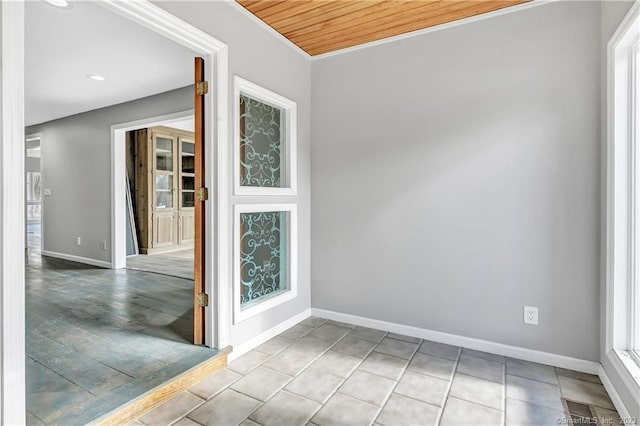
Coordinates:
64 45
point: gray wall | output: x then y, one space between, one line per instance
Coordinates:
455 178
258 56
76 165
612 14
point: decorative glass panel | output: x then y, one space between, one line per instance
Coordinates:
260 143
262 255
164 154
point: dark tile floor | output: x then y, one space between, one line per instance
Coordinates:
98 338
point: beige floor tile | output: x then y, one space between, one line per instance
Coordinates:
481 368
336 363
290 362
484 355
607 417
531 370
397 348
524 413
285 409
367 387
172 410
227 408
369 334
402 411
441 368
313 322
354 346
458 412
586 392
384 365
477 390
261 383
215 383
341 324
296 332
330 332
315 385
185 421
248 361
404 338
344 410
275 345
311 345
535 392
249 422
577 375
424 388
439 349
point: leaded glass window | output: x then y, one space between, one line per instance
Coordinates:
261 143
263 255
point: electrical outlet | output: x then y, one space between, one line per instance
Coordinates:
530 315
78 241
103 245
47 192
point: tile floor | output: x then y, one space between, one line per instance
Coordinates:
98 338
177 264
326 373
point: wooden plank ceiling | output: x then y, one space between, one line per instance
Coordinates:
322 26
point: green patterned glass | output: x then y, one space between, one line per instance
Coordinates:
260 143
262 255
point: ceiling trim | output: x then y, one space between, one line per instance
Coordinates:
268 27
447 25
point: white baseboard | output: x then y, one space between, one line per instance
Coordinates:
253 343
78 259
613 394
547 358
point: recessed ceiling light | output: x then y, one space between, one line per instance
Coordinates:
96 77
58 3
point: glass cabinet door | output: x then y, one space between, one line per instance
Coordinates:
187 173
164 191
164 171
164 153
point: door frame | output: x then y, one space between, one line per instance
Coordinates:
118 183
215 54
12 155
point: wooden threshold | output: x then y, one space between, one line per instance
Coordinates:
165 391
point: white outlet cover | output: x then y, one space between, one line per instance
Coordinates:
530 315
47 192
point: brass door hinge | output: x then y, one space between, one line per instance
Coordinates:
202 194
202 88
203 300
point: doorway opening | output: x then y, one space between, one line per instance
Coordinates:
160 192
33 196
94 333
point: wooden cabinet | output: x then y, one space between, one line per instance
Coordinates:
164 189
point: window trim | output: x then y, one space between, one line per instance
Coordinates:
240 314
622 266
289 143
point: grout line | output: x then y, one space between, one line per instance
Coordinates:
446 399
344 379
404 371
504 393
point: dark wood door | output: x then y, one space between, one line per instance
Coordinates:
199 249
